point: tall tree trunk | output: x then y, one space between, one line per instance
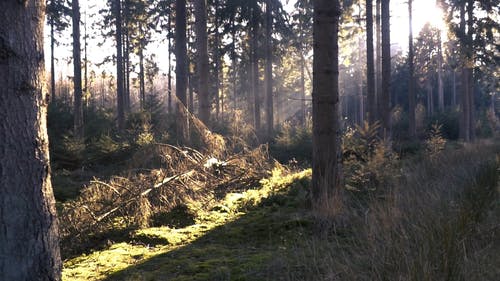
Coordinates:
327 172
142 84
411 84
269 71
29 242
217 61
470 68
126 67
85 59
202 60
454 90
77 68
385 103
181 70
370 68
119 66
440 75
233 63
378 60
169 83
52 63
255 68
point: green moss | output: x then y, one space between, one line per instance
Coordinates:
235 239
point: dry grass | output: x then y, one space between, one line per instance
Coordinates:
438 222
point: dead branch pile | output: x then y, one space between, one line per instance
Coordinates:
186 175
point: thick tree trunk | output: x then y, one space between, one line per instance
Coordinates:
77 75
119 66
370 67
29 243
327 175
269 71
385 103
411 84
181 70
202 60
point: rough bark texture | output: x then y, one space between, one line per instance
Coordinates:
119 66
77 72
181 69
202 59
370 63
29 248
411 84
385 107
269 72
327 176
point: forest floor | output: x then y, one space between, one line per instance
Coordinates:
440 222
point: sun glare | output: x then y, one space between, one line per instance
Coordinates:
424 11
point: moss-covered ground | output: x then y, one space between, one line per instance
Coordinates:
244 236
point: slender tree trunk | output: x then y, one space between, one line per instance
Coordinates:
378 60
77 68
169 32
269 71
327 172
440 75
233 63
216 54
142 84
126 68
255 68
85 75
385 103
202 60
454 90
411 84
52 63
119 66
181 70
370 69
470 68
29 242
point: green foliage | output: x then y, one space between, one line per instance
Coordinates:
450 123
293 143
436 143
369 162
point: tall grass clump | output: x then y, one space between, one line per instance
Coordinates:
438 221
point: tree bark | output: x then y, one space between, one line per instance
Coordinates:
202 59
370 67
269 71
385 103
77 69
378 60
327 175
52 63
411 84
181 70
29 243
142 84
440 74
255 68
120 100
169 83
